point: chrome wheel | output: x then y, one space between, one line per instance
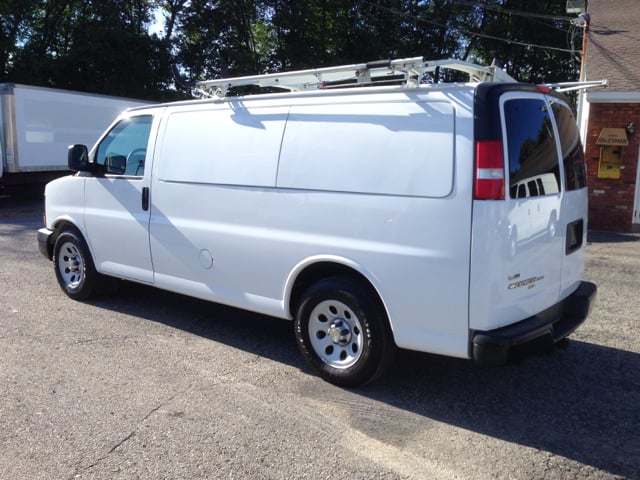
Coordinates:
336 334
343 332
73 265
70 265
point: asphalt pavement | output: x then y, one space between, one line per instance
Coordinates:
152 385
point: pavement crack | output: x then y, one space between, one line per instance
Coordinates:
144 419
154 410
120 443
100 339
132 434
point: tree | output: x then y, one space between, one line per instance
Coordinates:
106 47
102 47
532 40
218 38
16 18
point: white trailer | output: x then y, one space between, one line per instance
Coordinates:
38 124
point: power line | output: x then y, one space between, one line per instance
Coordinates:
533 17
508 11
468 32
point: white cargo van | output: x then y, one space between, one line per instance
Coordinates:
375 217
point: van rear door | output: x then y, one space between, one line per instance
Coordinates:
574 198
533 198
527 244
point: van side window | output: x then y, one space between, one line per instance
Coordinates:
572 153
533 161
123 150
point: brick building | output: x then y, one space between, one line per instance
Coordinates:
610 118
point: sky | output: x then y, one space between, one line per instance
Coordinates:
157 26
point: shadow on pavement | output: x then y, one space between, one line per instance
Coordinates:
29 201
581 404
611 237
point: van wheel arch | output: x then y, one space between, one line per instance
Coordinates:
321 270
97 282
58 228
62 225
368 348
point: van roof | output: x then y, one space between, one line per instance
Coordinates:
334 92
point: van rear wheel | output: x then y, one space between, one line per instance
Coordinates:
343 332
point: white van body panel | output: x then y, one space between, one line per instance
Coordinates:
508 286
65 202
244 256
573 265
216 145
215 237
394 134
118 236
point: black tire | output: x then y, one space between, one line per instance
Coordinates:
343 332
74 266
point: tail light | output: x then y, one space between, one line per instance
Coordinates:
488 182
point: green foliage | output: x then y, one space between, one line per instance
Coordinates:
106 46
546 24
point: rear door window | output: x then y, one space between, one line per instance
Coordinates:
572 154
533 160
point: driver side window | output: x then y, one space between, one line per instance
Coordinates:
123 150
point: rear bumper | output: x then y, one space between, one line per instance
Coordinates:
535 334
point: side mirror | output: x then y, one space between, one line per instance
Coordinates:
78 158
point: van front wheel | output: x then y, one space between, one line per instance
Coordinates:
74 267
343 333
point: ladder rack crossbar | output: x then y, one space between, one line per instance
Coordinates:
571 86
408 71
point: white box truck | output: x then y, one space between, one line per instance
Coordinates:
37 125
374 217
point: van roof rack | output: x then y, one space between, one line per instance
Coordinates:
408 72
570 86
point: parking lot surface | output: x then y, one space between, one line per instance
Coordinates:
147 384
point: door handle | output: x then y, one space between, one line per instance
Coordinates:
145 198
